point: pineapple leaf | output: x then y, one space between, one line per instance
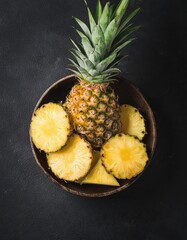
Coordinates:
84 27
79 61
78 54
94 57
88 64
83 61
117 61
79 75
111 11
120 10
91 19
116 50
112 70
126 21
82 35
124 35
88 48
93 72
79 48
100 48
104 63
97 56
98 11
111 77
104 19
100 78
110 33
74 65
97 35
80 69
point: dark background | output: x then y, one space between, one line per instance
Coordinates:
34 47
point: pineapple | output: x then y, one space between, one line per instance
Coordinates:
92 103
132 122
124 156
50 127
73 161
98 175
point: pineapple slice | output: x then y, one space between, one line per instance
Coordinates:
50 127
124 156
73 161
132 122
98 175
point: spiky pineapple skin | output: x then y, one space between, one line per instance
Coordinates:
95 112
93 105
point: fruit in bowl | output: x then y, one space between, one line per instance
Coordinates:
91 116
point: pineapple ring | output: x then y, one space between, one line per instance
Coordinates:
124 156
50 127
132 122
73 161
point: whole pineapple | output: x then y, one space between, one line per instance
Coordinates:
92 103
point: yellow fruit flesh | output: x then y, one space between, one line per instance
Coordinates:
50 127
98 175
73 161
132 122
124 156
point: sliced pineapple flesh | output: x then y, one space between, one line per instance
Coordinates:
124 156
99 175
73 161
50 127
132 122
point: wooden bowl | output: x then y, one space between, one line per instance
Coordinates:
127 93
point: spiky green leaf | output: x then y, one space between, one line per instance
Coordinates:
77 58
93 72
100 48
86 44
102 78
112 70
97 35
98 11
91 19
79 48
105 17
120 10
79 75
110 33
124 36
111 11
127 20
78 54
117 60
87 47
116 50
94 57
84 28
88 65
104 63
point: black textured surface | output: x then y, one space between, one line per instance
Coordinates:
34 43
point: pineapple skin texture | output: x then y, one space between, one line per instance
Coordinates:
95 112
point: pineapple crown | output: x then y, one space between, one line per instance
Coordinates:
97 56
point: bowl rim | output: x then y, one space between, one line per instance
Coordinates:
101 194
